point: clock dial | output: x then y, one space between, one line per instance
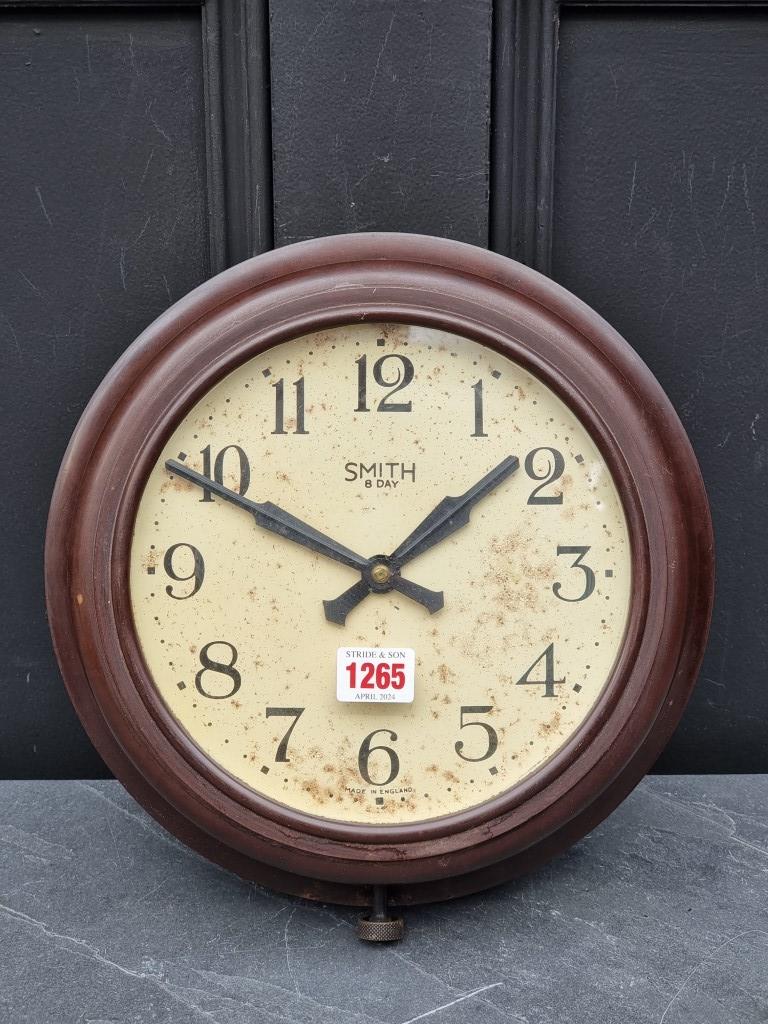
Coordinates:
254 561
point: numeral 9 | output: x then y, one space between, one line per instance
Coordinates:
197 574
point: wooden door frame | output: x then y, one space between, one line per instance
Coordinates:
523 116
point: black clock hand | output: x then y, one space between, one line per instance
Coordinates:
272 517
338 609
447 517
451 514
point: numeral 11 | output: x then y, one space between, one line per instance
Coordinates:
280 407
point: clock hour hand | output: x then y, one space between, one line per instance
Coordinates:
277 520
339 608
451 514
431 599
272 517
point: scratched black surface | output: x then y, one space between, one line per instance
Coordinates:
661 224
101 160
380 120
380 117
659 917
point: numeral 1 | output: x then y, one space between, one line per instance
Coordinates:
280 407
362 385
478 431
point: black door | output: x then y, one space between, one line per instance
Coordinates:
619 148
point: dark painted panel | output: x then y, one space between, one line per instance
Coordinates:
380 117
102 163
661 224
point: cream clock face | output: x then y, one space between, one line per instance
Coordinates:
323 562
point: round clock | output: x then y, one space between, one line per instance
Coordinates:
379 564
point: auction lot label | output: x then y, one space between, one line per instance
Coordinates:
375 674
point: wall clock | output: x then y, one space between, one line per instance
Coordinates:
379 570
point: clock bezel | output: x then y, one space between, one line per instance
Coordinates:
288 293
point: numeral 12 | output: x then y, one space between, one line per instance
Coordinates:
403 375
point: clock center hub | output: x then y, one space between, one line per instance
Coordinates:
381 573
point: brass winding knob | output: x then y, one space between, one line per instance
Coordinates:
389 929
379 926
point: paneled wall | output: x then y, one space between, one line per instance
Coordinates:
620 148
104 224
660 221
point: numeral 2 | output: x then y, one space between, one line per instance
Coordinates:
553 472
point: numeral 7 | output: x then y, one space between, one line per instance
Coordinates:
282 748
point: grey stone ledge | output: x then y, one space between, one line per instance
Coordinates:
660 915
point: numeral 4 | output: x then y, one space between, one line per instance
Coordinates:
548 682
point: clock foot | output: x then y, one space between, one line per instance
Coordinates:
379 926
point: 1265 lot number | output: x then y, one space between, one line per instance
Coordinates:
375 674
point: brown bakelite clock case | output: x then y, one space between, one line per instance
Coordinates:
379 565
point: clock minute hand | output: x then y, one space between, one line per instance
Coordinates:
447 517
451 513
272 517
